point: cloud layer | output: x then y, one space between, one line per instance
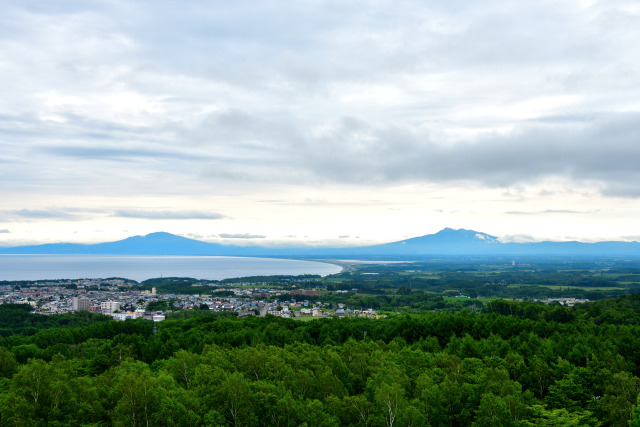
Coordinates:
153 106
164 215
241 236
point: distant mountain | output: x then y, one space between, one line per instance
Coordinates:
158 244
469 242
445 242
151 244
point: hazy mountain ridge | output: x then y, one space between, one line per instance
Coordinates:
447 241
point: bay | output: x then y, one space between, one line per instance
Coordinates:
139 268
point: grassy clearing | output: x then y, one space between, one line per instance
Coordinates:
566 287
446 298
483 299
305 318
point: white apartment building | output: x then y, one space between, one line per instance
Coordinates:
109 306
80 304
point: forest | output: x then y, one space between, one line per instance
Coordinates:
511 364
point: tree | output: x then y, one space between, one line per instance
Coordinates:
570 392
560 417
31 380
316 416
359 409
620 397
139 394
389 397
8 363
635 414
16 410
234 396
539 375
492 412
300 382
183 367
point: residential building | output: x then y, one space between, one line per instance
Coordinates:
80 304
110 306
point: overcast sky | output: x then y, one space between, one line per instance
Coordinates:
319 122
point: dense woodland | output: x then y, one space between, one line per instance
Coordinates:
502 360
515 363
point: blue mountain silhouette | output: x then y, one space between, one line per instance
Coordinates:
447 241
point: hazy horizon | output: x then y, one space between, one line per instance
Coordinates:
284 244
319 123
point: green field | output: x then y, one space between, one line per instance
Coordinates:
565 287
305 318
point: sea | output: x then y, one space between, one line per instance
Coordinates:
139 268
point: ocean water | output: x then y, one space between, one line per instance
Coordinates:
139 268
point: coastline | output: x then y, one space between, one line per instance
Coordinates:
143 267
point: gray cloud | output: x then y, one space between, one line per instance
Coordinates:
241 236
118 154
285 122
547 211
561 211
36 214
357 152
178 215
602 152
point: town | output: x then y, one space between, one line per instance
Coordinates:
116 298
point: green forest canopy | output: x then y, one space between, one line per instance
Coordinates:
514 364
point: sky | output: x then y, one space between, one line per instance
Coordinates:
319 122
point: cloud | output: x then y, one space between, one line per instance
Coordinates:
34 214
166 215
561 211
121 104
158 99
518 238
116 154
79 214
241 236
357 152
547 211
3 231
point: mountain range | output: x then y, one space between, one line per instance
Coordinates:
445 242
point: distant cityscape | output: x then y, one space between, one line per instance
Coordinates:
113 297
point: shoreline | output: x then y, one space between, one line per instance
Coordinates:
138 268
